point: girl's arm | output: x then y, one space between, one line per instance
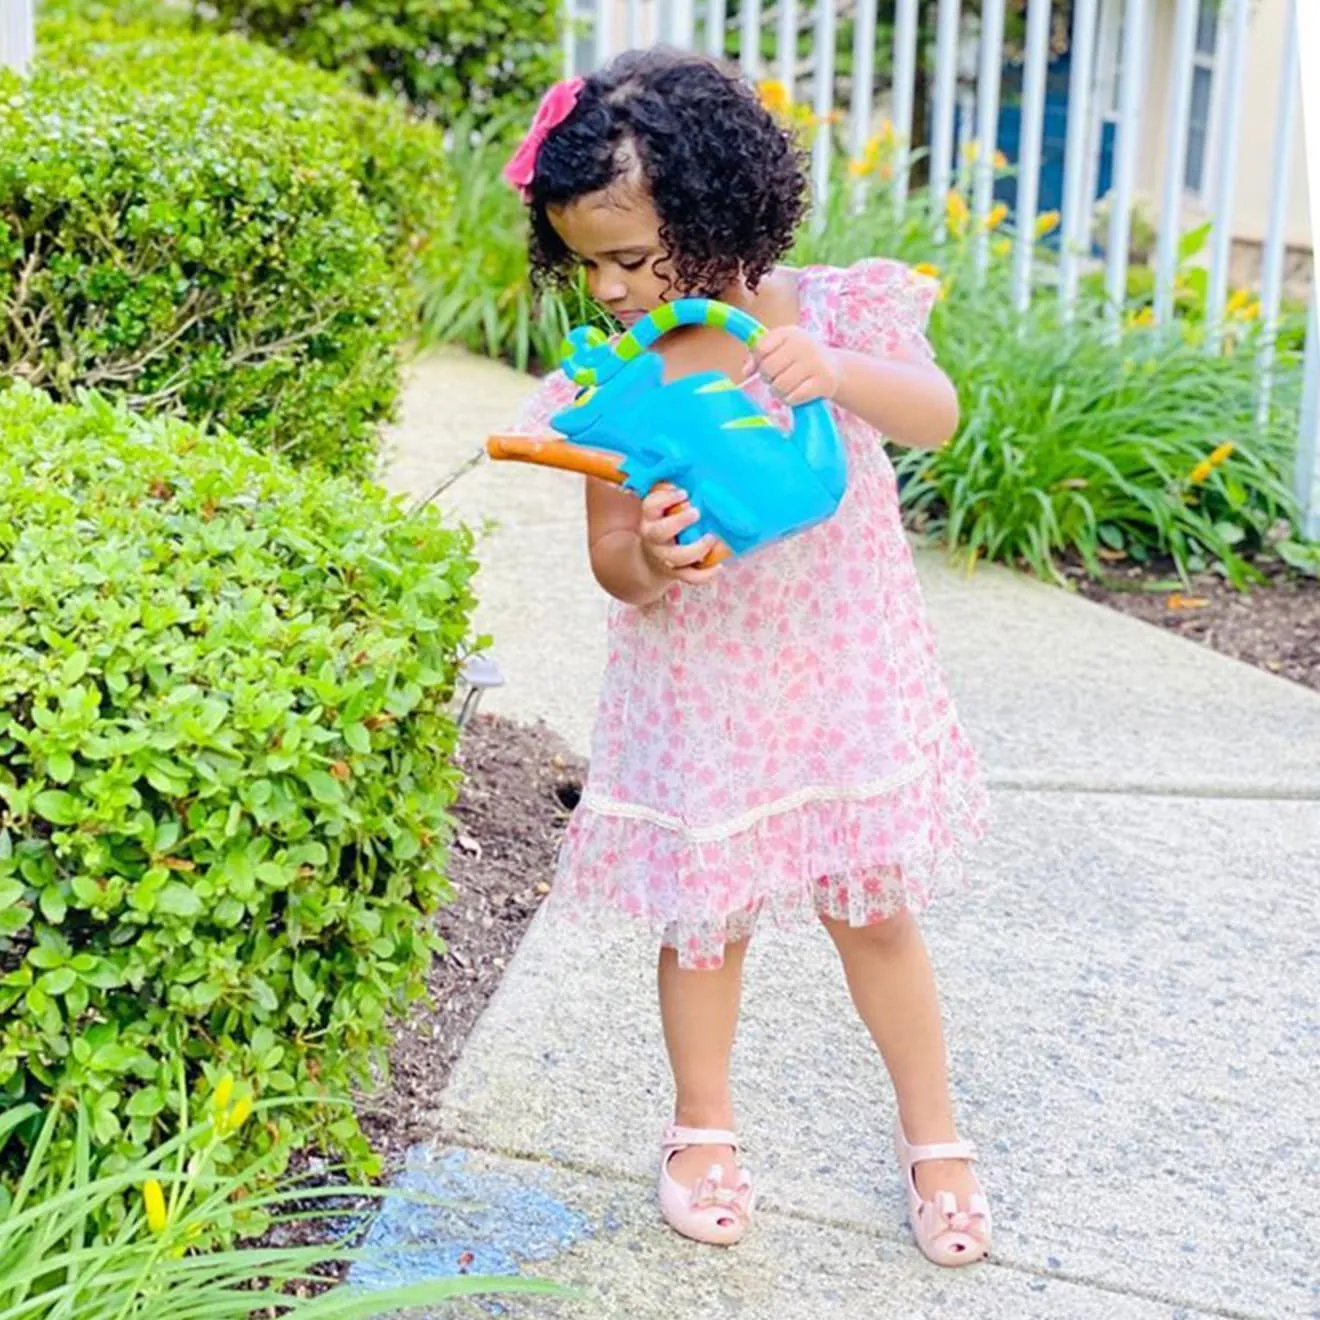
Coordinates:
905 396
634 555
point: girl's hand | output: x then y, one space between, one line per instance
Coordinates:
658 530
796 367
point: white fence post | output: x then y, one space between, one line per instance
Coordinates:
1308 439
863 85
1131 81
716 19
946 90
1074 234
820 148
786 46
604 45
1226 172
751 39
987 115
1276 240
17 34
1179 117
905 72
1029 144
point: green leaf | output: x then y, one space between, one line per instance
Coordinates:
325 788
178 900
146 1103
53 905
57 806
74 668
59 981
59 766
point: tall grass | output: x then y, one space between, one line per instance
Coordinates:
1075 446
162 1261
476 288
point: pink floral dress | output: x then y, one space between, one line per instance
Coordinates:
781 740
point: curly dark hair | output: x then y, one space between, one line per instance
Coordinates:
727 180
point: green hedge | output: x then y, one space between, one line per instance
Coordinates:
225 768
447 57
207 228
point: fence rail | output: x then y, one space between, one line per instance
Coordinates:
1207 45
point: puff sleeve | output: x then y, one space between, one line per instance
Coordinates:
879 306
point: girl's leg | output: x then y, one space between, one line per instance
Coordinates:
700 1015
892 985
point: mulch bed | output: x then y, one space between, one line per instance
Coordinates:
521 783
1274 627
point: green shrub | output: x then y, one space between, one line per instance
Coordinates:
205 228
224 765
477 288
447 57
398 164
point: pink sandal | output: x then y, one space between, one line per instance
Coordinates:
708 1212
945 1234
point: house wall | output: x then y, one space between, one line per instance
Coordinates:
1251 194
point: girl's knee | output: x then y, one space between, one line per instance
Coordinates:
890 933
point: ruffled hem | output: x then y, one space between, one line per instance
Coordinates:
852 857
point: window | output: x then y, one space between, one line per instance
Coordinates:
1203 99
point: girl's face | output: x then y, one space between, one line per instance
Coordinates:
616 235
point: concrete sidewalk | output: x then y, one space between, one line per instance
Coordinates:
1132 987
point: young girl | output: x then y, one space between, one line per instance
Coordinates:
774 735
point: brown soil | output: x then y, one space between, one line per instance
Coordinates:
1274 627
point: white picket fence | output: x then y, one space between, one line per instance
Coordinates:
614 25
973 55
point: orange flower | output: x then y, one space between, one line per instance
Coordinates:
1201 472
998 214
1221 454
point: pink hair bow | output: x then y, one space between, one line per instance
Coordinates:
556 106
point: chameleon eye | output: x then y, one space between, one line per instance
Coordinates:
585 396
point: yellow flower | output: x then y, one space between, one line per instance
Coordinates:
774 96
1200 472
971 152
1221 454
1046 223
1001 161
998 214
1237 302
1002 247
153 1197
956 210
1251 312
224 1091
238 1115
866 163
926 269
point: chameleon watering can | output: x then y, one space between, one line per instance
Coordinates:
752 483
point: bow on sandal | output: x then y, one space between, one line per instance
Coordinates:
946 1234
708 1212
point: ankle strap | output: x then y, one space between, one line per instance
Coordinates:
677 1138
946 1150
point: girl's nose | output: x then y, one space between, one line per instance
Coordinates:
608 289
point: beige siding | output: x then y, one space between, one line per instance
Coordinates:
1251 197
